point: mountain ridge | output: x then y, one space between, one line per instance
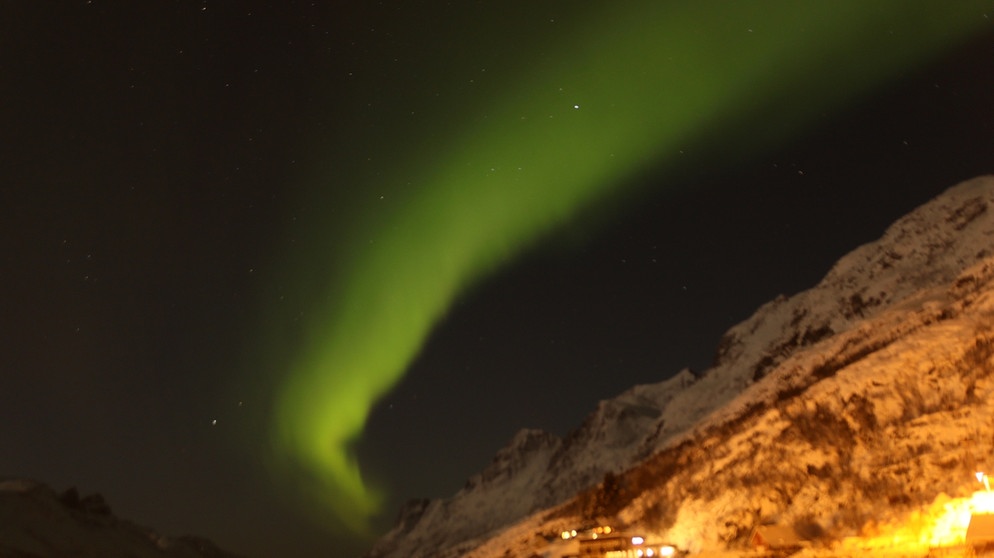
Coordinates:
37 522
930 271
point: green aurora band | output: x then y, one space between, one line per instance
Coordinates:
623 90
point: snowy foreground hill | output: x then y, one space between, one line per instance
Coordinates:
839 411
35 522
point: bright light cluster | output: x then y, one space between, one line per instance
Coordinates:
943 524
592 533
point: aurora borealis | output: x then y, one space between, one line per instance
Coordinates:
621 91
272 269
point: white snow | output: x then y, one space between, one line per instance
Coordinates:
864 389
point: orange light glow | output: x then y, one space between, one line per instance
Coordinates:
943 524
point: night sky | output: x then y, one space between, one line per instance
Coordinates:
192 194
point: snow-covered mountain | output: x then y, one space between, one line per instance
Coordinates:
857 400
36 522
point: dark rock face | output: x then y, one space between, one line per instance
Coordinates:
35 522
93 504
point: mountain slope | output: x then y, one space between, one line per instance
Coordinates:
858 399
35 522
